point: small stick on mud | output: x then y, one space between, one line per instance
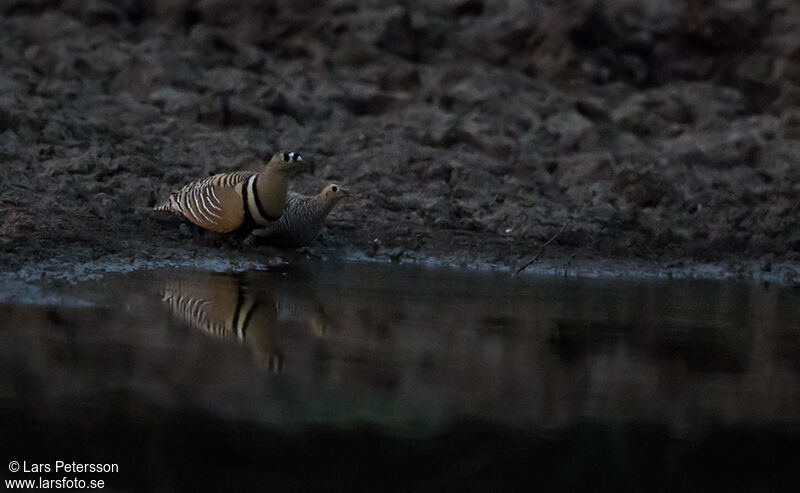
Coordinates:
541 249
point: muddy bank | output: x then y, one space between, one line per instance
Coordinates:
32 278
664 133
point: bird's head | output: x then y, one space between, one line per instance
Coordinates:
284 161
334 193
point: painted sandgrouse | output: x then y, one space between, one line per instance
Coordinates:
302 220
227 201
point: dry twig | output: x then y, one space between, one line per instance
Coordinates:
541 249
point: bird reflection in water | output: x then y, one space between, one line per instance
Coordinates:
254 312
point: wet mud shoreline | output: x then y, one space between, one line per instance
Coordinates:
664 134
75 265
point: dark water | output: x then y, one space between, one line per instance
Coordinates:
364 377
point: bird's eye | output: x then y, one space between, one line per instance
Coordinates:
334 189
297 157
286 156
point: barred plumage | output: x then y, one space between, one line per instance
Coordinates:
302 219
230 308
227 201
223 308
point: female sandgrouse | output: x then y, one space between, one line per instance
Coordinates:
302 220
228 201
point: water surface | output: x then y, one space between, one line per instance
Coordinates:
366 376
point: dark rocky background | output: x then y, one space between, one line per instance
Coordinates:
658 129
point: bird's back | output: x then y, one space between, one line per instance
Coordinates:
300 223
213 202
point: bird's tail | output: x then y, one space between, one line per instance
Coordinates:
169 205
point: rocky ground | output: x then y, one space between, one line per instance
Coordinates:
662 131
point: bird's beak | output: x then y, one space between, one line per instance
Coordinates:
345 192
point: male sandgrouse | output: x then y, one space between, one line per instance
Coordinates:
228 201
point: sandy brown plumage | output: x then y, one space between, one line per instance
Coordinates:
228 201
214 203
223 308
229 308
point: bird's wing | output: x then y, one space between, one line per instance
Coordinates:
295 202
222 307
215 202
209 306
